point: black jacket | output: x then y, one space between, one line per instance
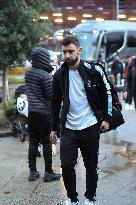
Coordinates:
96 87
117 67
39 82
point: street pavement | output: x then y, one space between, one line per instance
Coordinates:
117 171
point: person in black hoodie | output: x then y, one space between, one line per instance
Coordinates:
39 91
79 91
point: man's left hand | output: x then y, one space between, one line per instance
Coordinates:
104 126
53 137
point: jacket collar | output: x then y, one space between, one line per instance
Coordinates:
82 65
85 70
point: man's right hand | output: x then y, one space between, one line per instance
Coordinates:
53 137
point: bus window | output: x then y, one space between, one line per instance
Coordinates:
131 38
115 37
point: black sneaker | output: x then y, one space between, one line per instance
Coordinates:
51 176
33 175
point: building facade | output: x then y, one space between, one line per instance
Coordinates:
68 13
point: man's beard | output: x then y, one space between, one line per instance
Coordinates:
71 61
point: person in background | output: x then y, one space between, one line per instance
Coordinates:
117 70
130 84
127 63
100 60
39 91
80 120
125 73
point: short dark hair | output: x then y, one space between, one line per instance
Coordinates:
71 39
128 56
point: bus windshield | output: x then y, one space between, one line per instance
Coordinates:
86 40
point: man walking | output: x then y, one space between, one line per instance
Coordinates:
117 70
39 91
84 93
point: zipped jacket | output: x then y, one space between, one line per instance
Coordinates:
97 91
39 82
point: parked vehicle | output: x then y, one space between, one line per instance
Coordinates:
106 38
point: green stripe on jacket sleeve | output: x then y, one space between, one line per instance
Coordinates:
108 89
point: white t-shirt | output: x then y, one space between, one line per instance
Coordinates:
80 115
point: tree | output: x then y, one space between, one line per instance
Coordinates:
20 30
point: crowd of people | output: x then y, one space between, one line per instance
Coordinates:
124 73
